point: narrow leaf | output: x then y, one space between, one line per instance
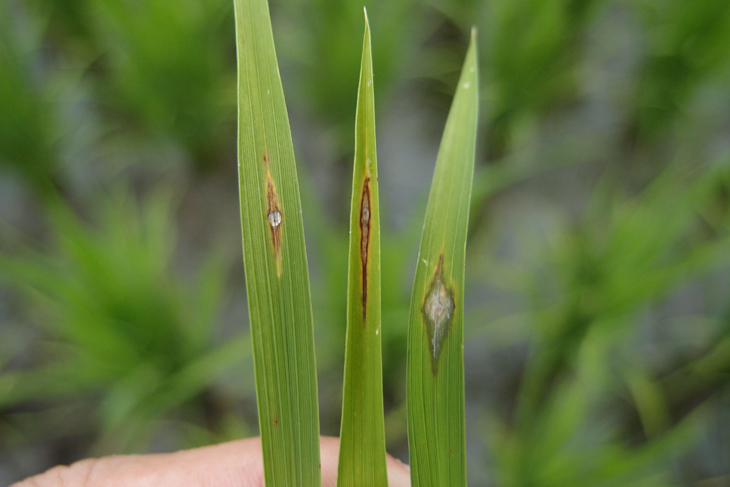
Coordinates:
362 448
277 280
436 428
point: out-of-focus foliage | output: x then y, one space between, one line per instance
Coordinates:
327 54
165 69
596 314
125 341
27 124
614 262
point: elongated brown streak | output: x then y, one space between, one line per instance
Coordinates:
274 218
365 242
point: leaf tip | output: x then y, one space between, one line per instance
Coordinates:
367 22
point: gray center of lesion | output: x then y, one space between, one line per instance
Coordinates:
438 311
274 219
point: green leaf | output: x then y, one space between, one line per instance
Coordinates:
362 447
277 280
436 428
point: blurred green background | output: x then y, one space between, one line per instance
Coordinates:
598 307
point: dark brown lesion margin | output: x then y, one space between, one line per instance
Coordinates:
365 222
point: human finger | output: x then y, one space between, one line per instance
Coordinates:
233 464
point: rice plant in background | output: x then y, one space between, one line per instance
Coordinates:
127 342
171 83
28 128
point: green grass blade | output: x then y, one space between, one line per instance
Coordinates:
436 428
277 280
362 448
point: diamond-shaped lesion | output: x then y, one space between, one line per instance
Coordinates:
438 312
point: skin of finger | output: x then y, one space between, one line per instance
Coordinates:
233 464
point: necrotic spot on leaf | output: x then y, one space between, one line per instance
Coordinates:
274 218
365 242
438 312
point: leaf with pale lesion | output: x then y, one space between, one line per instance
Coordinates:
436 425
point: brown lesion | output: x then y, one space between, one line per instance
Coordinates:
274 218
365 225
438 312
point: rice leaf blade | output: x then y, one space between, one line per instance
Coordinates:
362 434
436 425
277 279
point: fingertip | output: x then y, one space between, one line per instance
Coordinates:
399 474
62 475
329 457
238 463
